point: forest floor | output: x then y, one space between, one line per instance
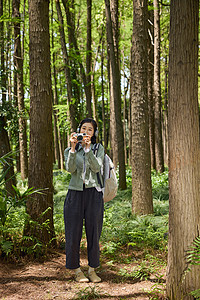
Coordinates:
50 280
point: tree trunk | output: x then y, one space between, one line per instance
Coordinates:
2 73
40 206
104 119
141 162
8 168
18 59
157 91
116 91
95 111
4 139
73 40
150 83
165 115
113 126
89 52
58 156
72 109
184 147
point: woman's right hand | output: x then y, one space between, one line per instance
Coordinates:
73 141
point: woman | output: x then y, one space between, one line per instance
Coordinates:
84 199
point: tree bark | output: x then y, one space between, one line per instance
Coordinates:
157 91
57 139
2 74
40 206
89 51
73 40
141 162
18 60
184 147
4 138
8 168
72 108
104 119
113 126
165 115
116 91
150 84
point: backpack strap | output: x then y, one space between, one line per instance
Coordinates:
95 150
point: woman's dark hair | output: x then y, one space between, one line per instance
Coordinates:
94 124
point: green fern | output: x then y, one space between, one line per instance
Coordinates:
193 258
193 254
196 294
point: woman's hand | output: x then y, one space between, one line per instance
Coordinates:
87 141
73 141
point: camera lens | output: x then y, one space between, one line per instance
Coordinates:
79 138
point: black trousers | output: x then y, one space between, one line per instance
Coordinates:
79 205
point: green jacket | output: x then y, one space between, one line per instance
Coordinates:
83 166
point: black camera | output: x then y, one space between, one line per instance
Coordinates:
80 136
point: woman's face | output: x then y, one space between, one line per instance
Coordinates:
88 129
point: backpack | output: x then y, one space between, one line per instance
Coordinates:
109 185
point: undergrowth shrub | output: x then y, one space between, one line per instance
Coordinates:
121 228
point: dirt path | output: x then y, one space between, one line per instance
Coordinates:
50 280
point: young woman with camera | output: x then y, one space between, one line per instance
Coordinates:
84 200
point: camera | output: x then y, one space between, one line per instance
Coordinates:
80 136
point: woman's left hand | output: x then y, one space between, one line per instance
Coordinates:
87 141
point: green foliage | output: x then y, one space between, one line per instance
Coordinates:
196 294
193 254
140 272
160 187
121 228
61 181
193 259
13 217
90 293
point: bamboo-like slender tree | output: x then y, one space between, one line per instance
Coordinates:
157 91
89 50
150 84
18 59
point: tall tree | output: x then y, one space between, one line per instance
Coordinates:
116 92
157 90
113 127
57 136
184 147
150 83
73 41
40 206
5 147
18 59
2 74
89 49
141 162
104 119
70 99
165 113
